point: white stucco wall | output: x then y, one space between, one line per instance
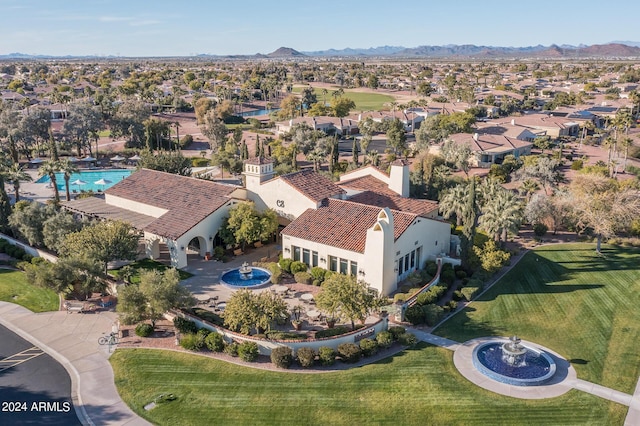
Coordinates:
266 346
279 196
134 206
208 227
365 171
381 255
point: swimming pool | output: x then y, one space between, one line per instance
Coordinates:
89 177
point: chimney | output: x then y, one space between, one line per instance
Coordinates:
475 137
399 178
513 121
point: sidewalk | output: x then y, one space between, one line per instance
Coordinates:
72 340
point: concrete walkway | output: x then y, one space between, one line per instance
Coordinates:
72 340
631 401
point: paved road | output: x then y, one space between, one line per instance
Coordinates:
29 376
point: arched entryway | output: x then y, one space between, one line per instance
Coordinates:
197 248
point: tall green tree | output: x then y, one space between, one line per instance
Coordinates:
348 298
67 168
502 214
215 130
396 137
50 168
457 154
342 106
603 205
27 220
103 241
170 162
157 293
454 202
82 125
15 174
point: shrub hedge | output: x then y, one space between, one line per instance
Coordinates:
191 342
368 346
306 357
214 342
185 326
384 339
297 266
282 357
248 351
326 355
407 339
349 352
144 330
330 332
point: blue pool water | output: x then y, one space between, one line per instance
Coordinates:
90 177
259 112
257 278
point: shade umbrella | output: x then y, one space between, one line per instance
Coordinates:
78 182
73 159
118 158
102 181
36 160
136 158
88 158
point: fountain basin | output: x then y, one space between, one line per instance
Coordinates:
534 368
255 278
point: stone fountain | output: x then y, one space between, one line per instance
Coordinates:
245 271
513 352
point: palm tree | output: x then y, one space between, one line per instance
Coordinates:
68 168
502 214
528 188
453 202
16 174
625 143
49 168
324 96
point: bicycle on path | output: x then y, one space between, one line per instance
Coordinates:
111 339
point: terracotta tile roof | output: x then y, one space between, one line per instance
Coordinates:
343 224
377 193
95 206
312 185
188 200
367 183
424 208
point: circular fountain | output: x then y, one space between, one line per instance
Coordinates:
245 271
513 363
246 277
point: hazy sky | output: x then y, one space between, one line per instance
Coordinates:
167 28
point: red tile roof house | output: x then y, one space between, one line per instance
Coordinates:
168 209
369 228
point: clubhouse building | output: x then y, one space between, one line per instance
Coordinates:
364 225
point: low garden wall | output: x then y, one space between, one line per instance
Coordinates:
30 250
265 346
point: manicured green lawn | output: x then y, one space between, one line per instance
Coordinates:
148 265
363 101
416 387
565 297
14 288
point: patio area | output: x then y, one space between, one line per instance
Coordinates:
212 295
